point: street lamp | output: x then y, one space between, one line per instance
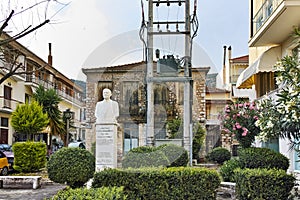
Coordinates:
68 115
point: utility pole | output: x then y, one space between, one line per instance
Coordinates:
186 79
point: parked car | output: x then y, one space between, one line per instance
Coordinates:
4 166
80 144
5 147
7 150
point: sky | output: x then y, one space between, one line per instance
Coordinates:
93 33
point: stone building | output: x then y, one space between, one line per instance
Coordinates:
128 86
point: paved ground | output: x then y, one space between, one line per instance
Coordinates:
25 192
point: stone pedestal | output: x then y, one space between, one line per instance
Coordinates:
106 146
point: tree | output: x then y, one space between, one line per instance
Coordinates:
29 119
10 57
49 100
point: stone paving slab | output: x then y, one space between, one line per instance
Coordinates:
25 192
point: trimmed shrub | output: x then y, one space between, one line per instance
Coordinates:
177 155
165 183
107 193
144 156
74 166
227 169
254 157
219 155
271 184
29 156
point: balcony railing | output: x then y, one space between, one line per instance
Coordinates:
264 12
50 85
8 104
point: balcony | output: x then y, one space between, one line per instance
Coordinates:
34 81
274 22
8 105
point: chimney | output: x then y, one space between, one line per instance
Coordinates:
229 53
229 63
224 66
50 56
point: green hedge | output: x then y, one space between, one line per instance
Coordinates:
74 166
227 169
161 183
177 155
254 157
29 156
169 155
219 155
259 184
107 193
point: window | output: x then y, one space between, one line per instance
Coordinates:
131 136
7 96
266 83
4 122
130 93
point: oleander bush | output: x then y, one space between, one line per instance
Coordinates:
161 183
271 184
254 157
219 155
107 193
29 156
74 166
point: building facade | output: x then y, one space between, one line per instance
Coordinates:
19 88
128 85
271 26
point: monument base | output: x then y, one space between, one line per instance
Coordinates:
106 146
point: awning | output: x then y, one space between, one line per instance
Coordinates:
265 63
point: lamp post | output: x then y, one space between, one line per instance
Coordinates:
67 115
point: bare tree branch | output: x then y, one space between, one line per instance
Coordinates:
5 24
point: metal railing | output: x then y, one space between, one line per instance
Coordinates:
50 85
8 104
264 12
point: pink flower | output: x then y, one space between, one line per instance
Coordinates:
255 117
237 125
238 114
240 105
245 131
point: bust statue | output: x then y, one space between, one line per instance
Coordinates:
107 111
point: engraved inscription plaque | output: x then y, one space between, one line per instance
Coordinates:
106 146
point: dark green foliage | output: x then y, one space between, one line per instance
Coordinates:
262 158
162 184
175 129
177 155
144 156
227 169
74 166
219 155
199 136
49 99
170 155
271 184
29 156
107 193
